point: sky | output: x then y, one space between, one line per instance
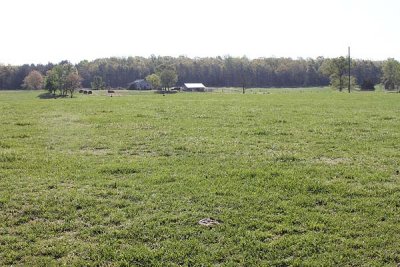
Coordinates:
44 31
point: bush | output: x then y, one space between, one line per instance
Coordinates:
368 85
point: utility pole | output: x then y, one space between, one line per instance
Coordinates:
349 70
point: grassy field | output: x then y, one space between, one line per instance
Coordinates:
295 178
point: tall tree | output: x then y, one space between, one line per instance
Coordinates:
52 81
336 69
154 80
168 78
72 82
64 69
391 74
367 72
33 81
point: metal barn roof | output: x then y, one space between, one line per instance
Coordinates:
194 85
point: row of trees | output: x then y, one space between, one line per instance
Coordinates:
63 78
387 73
213 71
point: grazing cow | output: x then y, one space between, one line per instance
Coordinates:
110 91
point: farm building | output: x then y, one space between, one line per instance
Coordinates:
139 85
194 87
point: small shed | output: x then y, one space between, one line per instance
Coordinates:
194 87
140 84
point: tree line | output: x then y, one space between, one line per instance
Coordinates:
217 71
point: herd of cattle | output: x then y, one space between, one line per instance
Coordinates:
89 92
85 91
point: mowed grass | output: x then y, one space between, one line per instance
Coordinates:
294 178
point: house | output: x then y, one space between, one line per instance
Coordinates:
194 87
140 84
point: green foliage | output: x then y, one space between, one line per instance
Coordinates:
296 178
224 71
52 80
98 83
154 80
168 78
337 70
368 73
368 85
338 83
391 74
63 77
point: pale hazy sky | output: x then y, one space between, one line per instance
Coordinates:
52 30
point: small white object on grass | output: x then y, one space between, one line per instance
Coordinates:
208 222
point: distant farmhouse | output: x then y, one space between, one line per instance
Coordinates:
140 84
194 87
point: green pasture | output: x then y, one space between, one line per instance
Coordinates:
304 177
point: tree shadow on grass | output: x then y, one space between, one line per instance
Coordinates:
48 95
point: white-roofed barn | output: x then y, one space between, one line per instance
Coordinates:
194 87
